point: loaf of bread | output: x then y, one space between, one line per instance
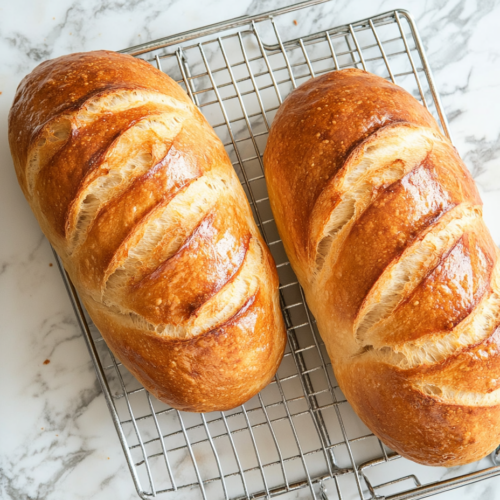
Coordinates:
382 224
137 195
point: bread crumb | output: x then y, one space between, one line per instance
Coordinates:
295 22
46 362
50 264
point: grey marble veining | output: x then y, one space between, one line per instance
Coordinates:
57 440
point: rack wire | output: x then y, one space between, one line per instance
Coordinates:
299 432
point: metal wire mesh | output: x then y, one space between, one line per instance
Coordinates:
299 431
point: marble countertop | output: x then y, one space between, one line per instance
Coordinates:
57 438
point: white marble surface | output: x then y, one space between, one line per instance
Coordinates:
57 440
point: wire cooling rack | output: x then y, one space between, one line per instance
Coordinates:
299 431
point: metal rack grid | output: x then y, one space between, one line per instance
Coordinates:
299 431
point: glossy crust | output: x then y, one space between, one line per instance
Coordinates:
382 224
419 426
321 112
219 369
136 193
61 85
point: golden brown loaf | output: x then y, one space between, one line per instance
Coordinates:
382 224
139 198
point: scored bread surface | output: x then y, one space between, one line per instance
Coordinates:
383 226
137 195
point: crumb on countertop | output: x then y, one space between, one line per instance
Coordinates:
295 22
46 362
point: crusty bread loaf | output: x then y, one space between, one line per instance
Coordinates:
136 193
382 224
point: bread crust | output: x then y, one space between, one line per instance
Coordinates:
214 371
422 427
137 195
382 224
331 114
